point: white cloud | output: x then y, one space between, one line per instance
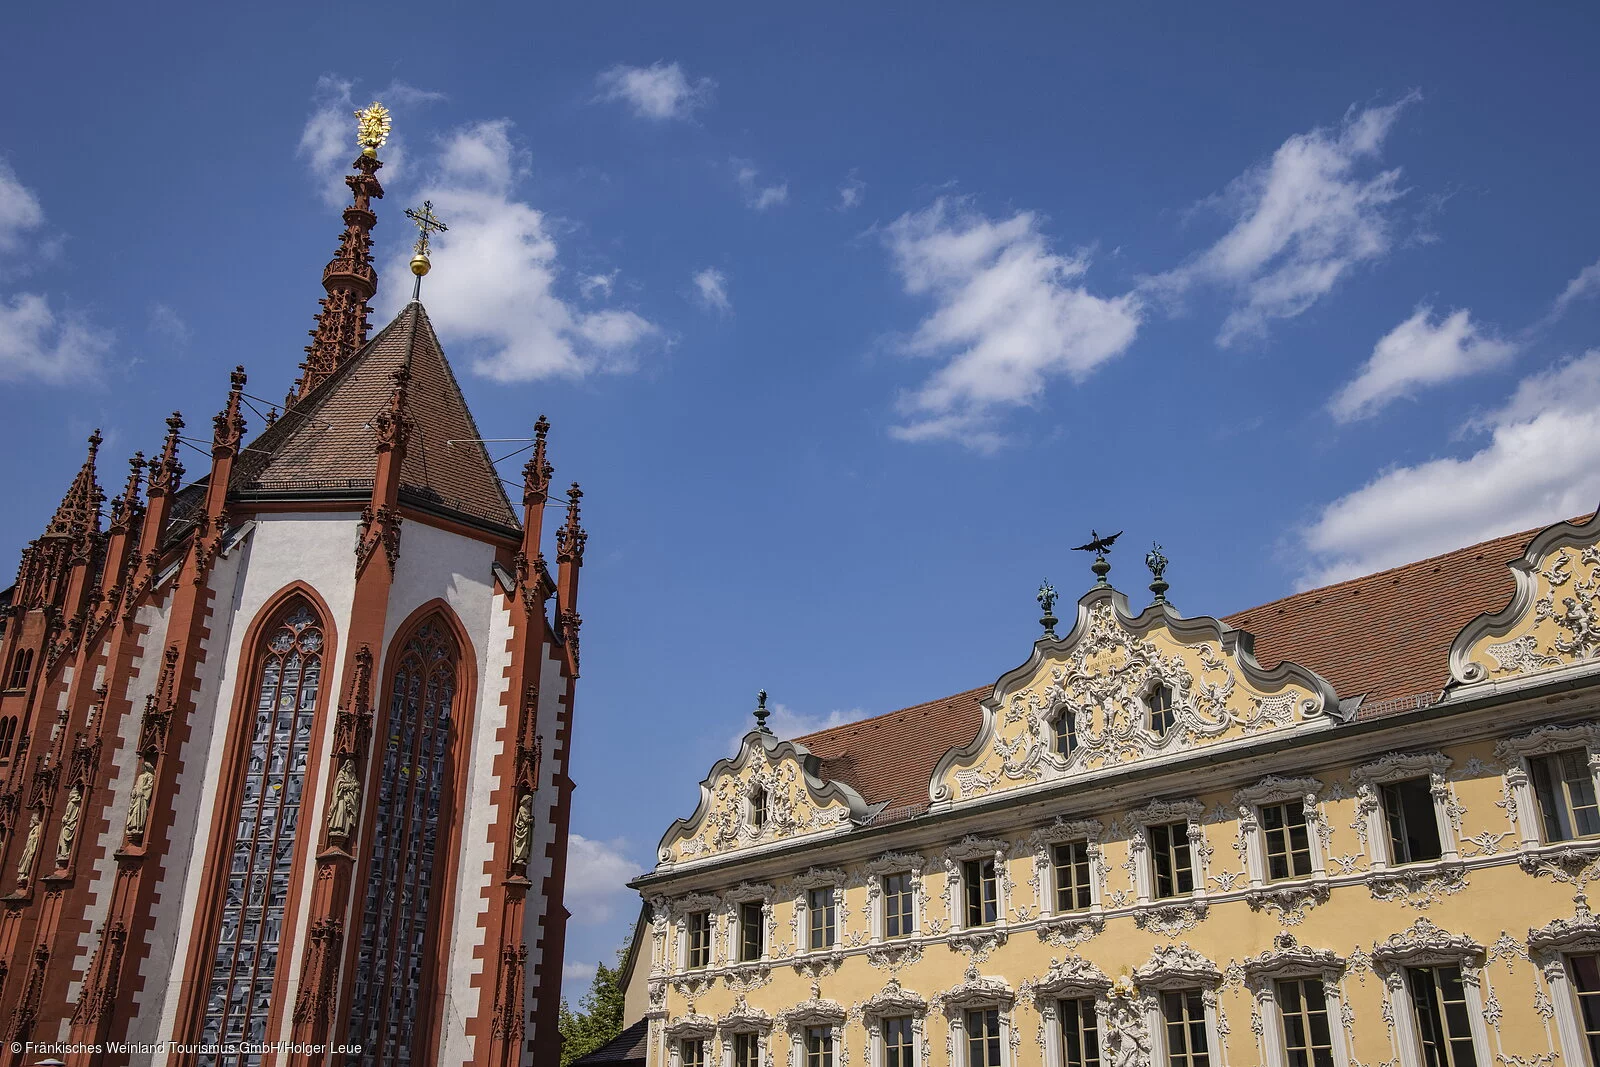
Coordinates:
1302 221
1009 313
20 212
660 91
597 877
1421 351
1584 286
787 724
168 326
495 273
37 343
757 196
577 972
1540 464
593 285
851 192
711 289
328 139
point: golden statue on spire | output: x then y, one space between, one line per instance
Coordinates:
373 128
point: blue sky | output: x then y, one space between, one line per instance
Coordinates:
850 320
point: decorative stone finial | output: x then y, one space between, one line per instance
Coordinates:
1099 546
762 712
1047 603
1158 569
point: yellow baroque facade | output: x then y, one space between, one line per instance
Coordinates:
1144 847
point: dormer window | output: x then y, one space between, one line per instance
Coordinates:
1158 703
1066 732
758 808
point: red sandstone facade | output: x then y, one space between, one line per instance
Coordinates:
283 751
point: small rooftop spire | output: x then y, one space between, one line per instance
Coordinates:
762 712
79 511
228 424
571 538
165 471
536 472
1047 603
349 278
123 507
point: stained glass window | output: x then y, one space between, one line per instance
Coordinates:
403 877
246 961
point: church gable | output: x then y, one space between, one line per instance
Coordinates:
769 792
1553 620
1119 689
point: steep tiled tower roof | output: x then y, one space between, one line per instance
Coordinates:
322 447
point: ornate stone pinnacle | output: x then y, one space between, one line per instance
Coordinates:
1047 602
1158 569
762 712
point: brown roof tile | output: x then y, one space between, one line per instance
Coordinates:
325 442
1384 636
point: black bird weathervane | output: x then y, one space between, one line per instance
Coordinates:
1099 546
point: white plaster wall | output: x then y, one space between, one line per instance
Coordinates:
122 758
552 688
317 549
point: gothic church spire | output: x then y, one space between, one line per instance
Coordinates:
349 277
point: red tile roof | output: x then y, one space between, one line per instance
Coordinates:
325 442
1384 636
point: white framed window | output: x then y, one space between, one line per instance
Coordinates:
816 1032
894 895
697 925
1071 1002
977 885
748 912
1068 869
1160 709
1280 821
1181 1008
822 918
979 1015
744 1048
1405 804
756 808
689 1041
692 1051
1298 1004
694 922
1551 778
1064 731
1431 979
1567 952
1169 851
980 893
894 1020
819 910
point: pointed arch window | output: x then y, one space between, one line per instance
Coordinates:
8 737
239 995
21 668
394 967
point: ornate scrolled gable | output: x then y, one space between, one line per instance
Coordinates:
975 991
742 1018
1423 944
1287 958
1071 977
800 804
891 1000
813 1011
1102 673
1177 967
1553 620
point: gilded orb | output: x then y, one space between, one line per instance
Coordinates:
370 152
420 264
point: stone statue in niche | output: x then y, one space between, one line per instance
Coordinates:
144 786
30 845
69 825
1125 1044
522 834
346 806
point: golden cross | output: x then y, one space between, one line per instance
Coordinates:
426 224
